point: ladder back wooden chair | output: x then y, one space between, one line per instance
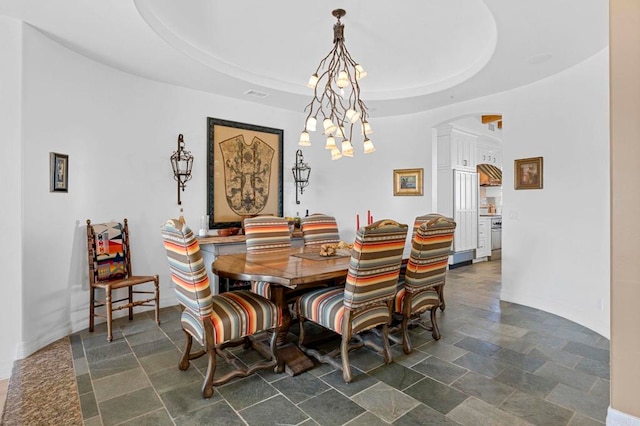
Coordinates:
365 302
109 258
219 321
319 229
421 287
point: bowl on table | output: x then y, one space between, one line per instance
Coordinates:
227 232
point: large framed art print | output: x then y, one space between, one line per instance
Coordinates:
244 172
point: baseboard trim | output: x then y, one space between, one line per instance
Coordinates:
618 418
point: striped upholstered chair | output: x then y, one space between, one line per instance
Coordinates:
215 321
266 233
319 229
416 224
110 270
366 301
421 287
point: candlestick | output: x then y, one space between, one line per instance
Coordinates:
368 217
357 222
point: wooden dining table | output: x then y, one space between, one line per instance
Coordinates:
290 272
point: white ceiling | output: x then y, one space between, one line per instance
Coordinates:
419 54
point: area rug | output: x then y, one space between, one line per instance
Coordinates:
42 389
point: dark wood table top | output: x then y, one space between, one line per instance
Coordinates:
282 267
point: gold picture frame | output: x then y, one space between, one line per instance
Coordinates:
244 172
408 182
528 173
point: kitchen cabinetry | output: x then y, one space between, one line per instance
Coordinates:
487 154
484 237
457 148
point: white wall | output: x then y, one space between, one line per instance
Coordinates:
11 178
119 131
556 240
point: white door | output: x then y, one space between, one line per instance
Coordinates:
465 210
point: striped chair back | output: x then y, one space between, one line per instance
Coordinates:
189 275
319 229
375 263
430 249
266 233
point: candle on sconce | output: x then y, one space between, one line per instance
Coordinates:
371 220
357 222
368 217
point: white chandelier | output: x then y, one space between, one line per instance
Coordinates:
336 99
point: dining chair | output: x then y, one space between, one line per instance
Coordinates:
265 233
319 229
109 259
419 220
366 300
219 321
420 289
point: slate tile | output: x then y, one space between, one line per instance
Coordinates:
276 410
536 410
474 412
245 392
342 408
385 402
396 375
588 351
483 388
527 382
568 376
436 395
440 370
589 405
126 407
486 366
301 387
424 414
478 346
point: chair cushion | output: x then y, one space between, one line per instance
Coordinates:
319 229
263 288
267 232
420 301
326 307
109 251
241 313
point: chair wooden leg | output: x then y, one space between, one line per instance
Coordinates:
441 297
435 332
92 307
130 303
344 354
184 361
156 284
273 345
207 386
388 358
108 305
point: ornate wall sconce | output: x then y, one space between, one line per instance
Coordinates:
301 172
181 161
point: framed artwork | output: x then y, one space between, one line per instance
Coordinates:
528 173
244 172
407 182
59 172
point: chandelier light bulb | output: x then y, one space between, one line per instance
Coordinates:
335 154
340 132
366 128
343 79
329 127
368 146
331 143
347 148
360 72
305 140
313 80
352 115
311 124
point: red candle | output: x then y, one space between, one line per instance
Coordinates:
371 220
369 217
357 222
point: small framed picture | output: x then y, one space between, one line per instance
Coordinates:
407 182
528 173
59 170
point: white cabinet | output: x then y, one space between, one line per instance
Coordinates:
465 210
457 148
484 237
489 155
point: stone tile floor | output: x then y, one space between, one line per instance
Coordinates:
497 363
